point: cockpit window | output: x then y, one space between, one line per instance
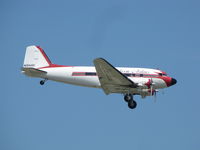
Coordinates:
162 74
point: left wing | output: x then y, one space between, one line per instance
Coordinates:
111 79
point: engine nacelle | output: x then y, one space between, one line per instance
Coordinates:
147 92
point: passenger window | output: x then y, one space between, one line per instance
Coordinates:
127 74
90 74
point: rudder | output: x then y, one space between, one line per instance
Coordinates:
35 57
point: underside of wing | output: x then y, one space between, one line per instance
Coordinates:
111 79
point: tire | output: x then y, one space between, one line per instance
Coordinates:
128 97
132 104
41 82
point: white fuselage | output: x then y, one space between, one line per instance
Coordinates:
86 76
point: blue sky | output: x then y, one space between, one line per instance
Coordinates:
152 34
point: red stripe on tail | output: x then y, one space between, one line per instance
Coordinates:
44 54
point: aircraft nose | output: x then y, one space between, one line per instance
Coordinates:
173 81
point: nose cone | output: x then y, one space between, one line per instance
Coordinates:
173 81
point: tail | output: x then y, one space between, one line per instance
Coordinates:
35 57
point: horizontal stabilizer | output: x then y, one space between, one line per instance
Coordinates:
33 72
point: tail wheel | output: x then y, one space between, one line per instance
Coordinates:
132 104
42 82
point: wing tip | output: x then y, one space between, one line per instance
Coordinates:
100 59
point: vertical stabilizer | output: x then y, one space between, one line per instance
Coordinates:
35 57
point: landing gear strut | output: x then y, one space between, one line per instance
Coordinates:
43 81
129 99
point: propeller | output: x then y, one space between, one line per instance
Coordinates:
151 86
152 91
155 95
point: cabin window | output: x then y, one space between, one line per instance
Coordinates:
90 74
78 73
127 74
137 75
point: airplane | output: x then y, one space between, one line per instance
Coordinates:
126 81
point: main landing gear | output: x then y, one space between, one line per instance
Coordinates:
43 81
129 99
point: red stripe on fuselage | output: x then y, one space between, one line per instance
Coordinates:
54 66
136 75
166 79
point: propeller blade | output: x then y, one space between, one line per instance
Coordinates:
163 92
151 90
151 86
155 96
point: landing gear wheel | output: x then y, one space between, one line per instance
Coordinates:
128 97
42 82
132 104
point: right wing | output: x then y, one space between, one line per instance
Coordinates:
111 79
